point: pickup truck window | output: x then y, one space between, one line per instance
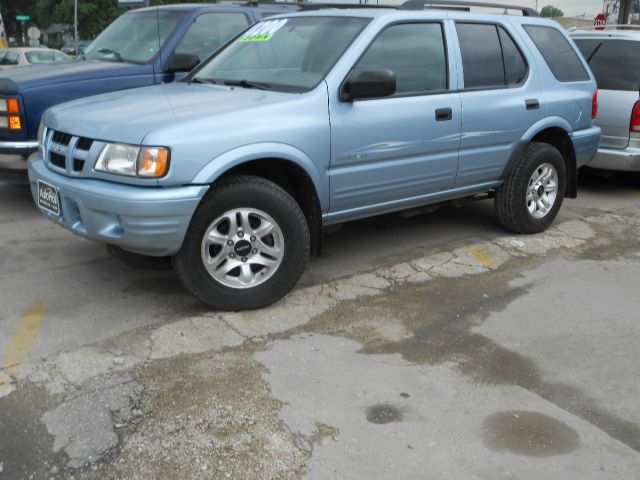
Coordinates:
209 31
285 54
415 52
134 37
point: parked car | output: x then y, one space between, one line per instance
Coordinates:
614 57
142 47
317 118
70 47
19 57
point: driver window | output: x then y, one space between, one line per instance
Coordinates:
209 31
415 52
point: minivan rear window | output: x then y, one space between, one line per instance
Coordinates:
558 53
615 63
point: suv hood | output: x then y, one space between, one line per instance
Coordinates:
19 79
128 116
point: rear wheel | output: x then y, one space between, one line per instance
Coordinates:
246 247
531 196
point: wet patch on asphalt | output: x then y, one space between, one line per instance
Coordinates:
25 445
445 334
529 433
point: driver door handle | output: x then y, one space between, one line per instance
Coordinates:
443 114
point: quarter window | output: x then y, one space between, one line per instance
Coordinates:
209 31
556 50
490 57
415 53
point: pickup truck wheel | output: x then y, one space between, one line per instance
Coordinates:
530 197
246 247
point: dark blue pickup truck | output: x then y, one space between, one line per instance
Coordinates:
142 47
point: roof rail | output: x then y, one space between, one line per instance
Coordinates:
619 27
314 6
456 4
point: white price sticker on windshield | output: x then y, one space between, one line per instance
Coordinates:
263 31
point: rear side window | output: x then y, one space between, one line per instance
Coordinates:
556 50
614 63
490 57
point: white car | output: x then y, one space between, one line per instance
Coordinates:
15 57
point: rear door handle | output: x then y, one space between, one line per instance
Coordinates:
532 104
443 114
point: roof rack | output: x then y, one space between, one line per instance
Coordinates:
456 4
315 6
619 27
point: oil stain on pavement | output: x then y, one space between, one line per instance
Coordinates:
529 433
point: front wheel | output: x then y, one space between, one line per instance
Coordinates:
530 197
246 247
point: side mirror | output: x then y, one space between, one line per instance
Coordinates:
369 84
182 62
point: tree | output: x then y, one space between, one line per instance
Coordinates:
550 11
11 8
93 15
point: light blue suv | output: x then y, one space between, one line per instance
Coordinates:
317 118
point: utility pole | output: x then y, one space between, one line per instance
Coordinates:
623 16
75 25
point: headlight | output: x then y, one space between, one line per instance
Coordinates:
9 105
133 161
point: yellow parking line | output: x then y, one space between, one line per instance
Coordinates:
26 332
482 257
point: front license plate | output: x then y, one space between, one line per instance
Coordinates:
48 198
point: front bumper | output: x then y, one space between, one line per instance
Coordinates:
13 161
146 220
585 144
25 148
625 160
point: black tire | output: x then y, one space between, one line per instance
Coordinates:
235 192
511 198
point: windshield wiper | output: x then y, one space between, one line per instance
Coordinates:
108 51
203 80
247 84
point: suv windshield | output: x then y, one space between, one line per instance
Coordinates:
286 54
134 37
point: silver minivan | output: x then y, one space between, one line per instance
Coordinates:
614 57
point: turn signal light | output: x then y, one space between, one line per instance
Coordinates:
153 162
15 123
594 105
635 118
12 105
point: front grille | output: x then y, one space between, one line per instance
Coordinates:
71 153
78 165
61 138
84 143
57 160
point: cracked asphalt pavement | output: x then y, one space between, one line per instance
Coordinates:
418 346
